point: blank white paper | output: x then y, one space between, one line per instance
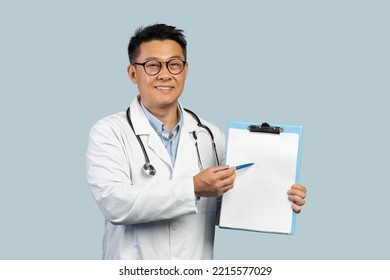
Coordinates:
258 201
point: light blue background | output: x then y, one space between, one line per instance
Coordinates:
321 64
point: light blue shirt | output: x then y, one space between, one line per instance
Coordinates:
172 143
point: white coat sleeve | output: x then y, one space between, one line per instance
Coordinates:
121 202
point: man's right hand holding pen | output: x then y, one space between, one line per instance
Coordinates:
214 181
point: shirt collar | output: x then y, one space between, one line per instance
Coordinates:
158 125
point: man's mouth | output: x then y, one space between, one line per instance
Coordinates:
163 88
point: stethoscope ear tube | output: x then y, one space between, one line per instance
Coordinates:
200 124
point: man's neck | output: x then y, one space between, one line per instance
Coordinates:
169 116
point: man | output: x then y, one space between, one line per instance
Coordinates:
153 169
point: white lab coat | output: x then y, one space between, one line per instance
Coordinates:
151 217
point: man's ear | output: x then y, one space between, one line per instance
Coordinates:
186 70
132 74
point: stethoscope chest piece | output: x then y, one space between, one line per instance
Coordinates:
149 169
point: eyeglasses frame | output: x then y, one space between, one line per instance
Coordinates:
161 65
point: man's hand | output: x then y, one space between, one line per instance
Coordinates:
297 195
214 181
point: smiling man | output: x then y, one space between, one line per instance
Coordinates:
153 169
160 78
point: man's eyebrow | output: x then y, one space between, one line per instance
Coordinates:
151 58
175 56
155 58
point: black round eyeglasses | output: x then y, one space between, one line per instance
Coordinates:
153 67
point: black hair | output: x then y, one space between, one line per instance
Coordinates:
155 32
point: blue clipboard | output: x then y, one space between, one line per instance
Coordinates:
258 201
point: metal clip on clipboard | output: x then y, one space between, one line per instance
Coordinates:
265 128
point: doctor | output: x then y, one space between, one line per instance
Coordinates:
152 168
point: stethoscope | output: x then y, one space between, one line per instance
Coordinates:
149 168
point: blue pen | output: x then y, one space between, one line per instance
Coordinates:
238 167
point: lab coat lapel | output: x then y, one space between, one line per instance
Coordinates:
143 128
185 150
157 146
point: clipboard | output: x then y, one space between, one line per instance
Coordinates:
258 200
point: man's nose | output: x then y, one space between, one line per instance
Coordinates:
164 74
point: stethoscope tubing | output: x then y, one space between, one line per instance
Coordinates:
148 167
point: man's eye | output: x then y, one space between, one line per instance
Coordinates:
174 65
153 65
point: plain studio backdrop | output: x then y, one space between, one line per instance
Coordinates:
320 64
